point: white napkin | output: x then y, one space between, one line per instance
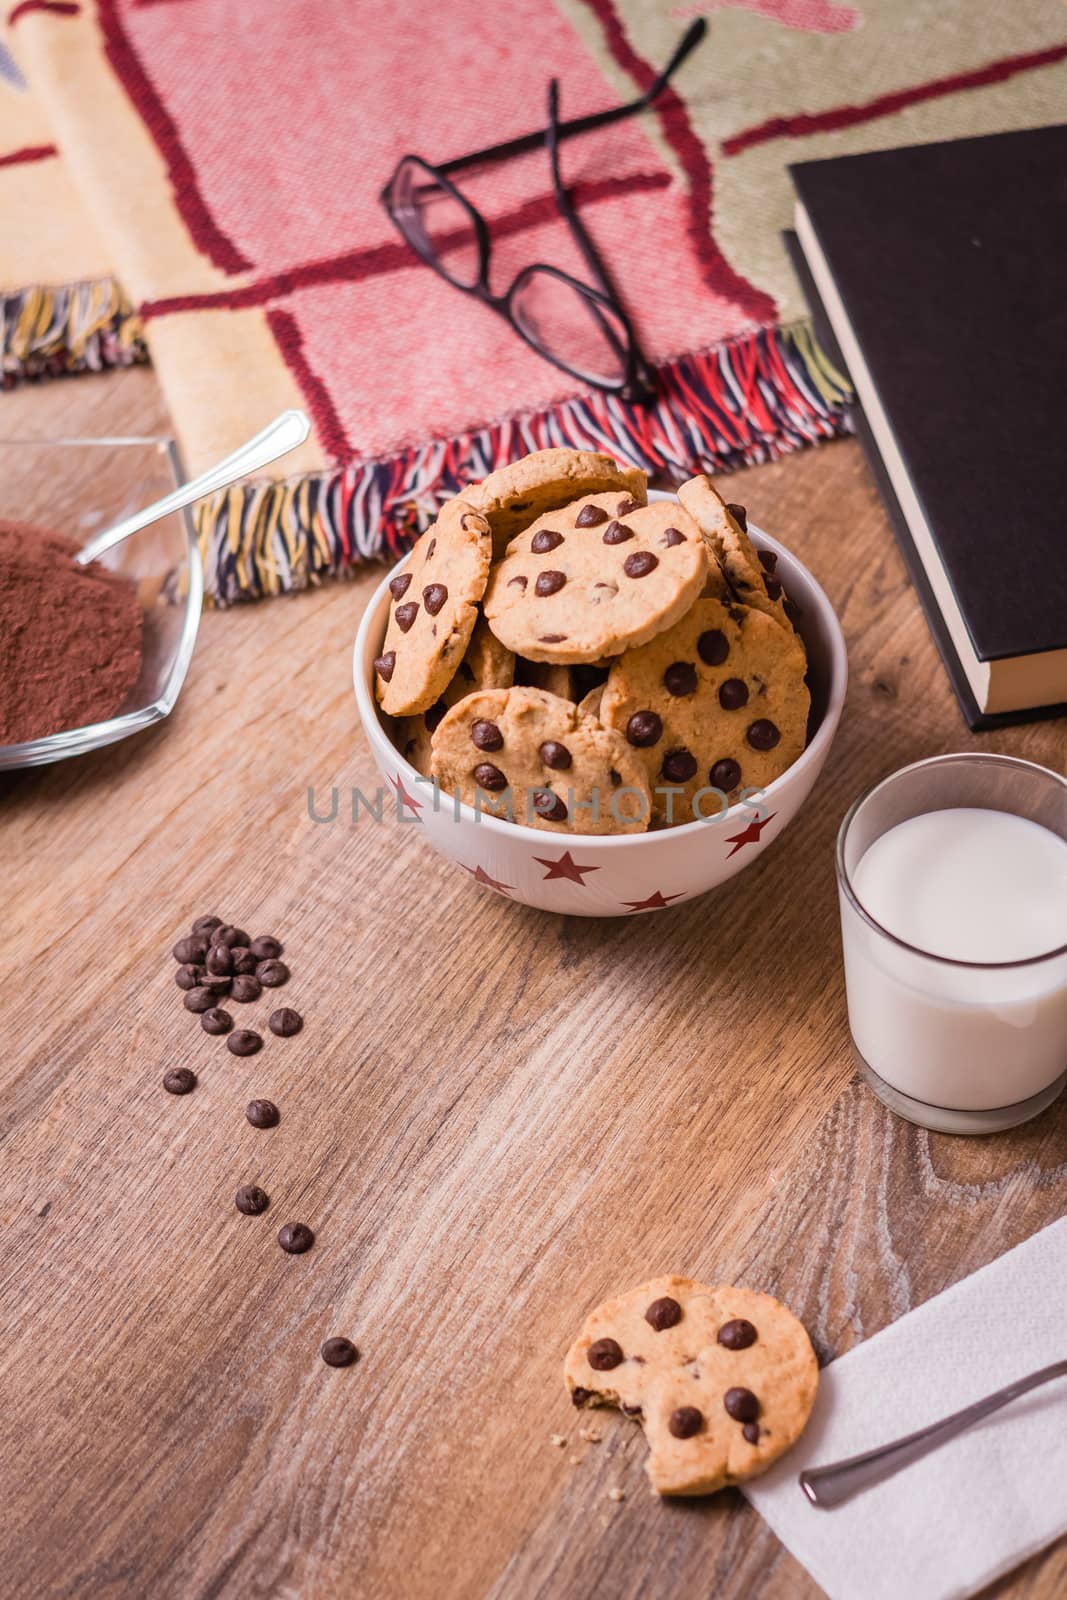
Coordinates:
949 1524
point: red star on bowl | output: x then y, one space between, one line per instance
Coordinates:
655 902
480 875
564 866
750 835
407 799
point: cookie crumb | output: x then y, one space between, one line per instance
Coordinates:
574 1460
616 1494
557 1439
590 1435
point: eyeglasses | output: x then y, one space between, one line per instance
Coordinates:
579 327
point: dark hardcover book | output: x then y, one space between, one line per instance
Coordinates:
940 271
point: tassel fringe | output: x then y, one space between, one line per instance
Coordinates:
749 400
81 327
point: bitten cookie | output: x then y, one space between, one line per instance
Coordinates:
722 1379
514 495
718 701
487 665
434 609
749 572
595 578
534 758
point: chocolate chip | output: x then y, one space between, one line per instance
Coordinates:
251 1199
262 1113
549 582
741 1404
339 1352
680 678
627 505
616 778
740 516
725 775
551 638
737 1334
216 1020
405 615
433 597
633 1411
219 960
555 755
518 582
217 982
385 665
191 950
733 693
679 765
272 974
244 962
640 564
399 586
604 1354
206 925
616 533
751 1432
792 611
430 548
544 540
580 1396
295 1238
673 536
685 1422
773 588
590 517
229 936
179 1080
713 647
285 1022
245 1042
486 735
549 806
266 947
664 1313
767 560
486 776
201 999
644 728
437 713
246 987
763 735
188 977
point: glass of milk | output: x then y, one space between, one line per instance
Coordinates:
952 876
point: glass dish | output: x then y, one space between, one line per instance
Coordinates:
78 487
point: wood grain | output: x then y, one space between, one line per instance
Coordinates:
493 1118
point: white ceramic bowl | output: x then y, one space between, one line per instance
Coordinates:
614 875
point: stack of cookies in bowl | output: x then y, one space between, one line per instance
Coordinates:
564 655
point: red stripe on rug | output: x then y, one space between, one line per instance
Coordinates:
58 8
286 331
206 233
884 105
30 152
674 120
377 260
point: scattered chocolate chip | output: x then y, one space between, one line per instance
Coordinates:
590 517
767 560
405 615
262 1113
551 638
751 1432
792 611
433 597
179 1080
437 713
266 948
580 1396
246 987
640 564
486 776
679 765
762 734
201 999
725 775
713 647
219 960
544 540
229 935
549 583
486 735
206 925
664 1313
633 1411
399 586
244 961
251 1199
550 806
644 728
773 588
680 678
733 693
518 581
555 755
217 982
737 1334
740 516
741 1404
685 1422
188 977
672 536
272 974
191 950
627 505
339 1352
384 665
245 1042
604 1354
285 1022
216 1020
616 778
616 533
430 548
295 1238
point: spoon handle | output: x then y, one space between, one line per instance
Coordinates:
830 1485
282 435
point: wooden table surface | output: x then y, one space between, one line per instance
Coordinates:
493 1119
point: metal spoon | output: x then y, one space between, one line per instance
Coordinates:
284 434
829 1486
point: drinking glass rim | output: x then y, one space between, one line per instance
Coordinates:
850 893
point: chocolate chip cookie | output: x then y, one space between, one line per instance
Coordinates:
722 1379
717 702
537 760
514 495
749 572
433 610
487 665
594 578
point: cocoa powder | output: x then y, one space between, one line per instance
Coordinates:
70 636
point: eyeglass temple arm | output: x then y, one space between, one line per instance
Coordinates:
597 119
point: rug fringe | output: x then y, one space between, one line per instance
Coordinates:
78 327
748 400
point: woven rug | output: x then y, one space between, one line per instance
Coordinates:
223 162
